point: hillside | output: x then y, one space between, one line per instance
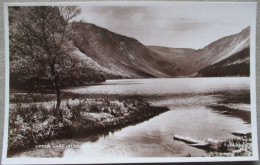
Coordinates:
189 61
223 48
117 56
235 65
181 58
120 56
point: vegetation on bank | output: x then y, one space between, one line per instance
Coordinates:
35 123
238 146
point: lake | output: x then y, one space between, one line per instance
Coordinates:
190 115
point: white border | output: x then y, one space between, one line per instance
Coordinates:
114 3
5 139
253 83
96 160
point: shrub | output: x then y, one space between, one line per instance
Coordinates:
94 108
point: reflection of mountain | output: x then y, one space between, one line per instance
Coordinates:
119 56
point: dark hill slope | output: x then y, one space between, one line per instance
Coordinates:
235 65
120 55
181 58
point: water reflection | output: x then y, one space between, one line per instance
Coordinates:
155 137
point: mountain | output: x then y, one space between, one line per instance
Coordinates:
190 61
237 64
181 58
223 48
116 55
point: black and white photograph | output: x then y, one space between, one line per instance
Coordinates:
127 82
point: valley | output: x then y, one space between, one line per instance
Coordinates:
118 56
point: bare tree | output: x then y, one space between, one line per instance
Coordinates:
41 42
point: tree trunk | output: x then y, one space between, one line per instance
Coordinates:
57 89
56 86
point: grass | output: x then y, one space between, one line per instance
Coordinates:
17 98
31 124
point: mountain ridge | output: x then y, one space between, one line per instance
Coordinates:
119 56
237 64
189 61
124 55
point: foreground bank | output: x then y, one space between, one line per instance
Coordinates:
32 124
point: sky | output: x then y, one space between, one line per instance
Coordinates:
177 25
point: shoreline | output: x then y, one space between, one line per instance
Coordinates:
91 121
225 110
75 119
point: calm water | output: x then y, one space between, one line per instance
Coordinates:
164 86
189 116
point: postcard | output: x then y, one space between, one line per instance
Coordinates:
130 82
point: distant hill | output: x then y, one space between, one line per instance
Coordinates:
181 58
190 61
